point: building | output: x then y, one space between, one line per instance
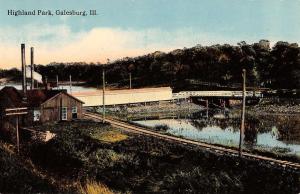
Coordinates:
43 105
128 96
8 99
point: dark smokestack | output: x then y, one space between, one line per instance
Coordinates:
32 67
24 86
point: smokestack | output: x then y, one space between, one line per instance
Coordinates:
32 67
24 85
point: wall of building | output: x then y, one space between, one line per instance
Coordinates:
114 97
50 110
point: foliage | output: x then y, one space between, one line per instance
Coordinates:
11 73
93 187
163 127
277 67
16 177
142 164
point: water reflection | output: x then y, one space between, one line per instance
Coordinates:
277 133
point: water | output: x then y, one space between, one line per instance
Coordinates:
275 133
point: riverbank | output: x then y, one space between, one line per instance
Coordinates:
4 80
132 163
275 109
278 106
18 175
152 109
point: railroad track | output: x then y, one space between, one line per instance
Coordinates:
214 148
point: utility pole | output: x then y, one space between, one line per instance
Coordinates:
103 91
242 129
31 67
130 80
37 83
24 84
57 82
70 84
16 112
206 104
18 137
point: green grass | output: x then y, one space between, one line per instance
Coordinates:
109 136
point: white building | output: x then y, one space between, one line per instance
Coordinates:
128 96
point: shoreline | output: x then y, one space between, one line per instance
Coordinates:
275 109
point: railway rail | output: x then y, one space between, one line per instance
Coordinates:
214 148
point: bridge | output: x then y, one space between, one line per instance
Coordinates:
144 95
124 96
217 94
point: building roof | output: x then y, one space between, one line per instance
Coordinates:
13 97
67 95
37 97
122 91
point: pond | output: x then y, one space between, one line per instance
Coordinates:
272 133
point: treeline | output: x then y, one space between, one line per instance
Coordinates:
13 74
276 67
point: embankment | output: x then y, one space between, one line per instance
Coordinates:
140 164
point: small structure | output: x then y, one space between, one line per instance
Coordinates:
43 105
8 100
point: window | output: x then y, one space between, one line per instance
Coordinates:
36 115
74 109
74 112
64 113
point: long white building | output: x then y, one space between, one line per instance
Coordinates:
128 96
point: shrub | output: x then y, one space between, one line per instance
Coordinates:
93 187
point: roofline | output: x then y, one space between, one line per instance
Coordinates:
63 93
123 91
73 97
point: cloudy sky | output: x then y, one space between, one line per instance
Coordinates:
134 27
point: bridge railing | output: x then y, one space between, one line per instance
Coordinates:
186 94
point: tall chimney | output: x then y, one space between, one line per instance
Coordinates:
32 67
24 85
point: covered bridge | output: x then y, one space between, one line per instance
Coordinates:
124 96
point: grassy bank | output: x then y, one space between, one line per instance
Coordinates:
152 109
18 176
138 164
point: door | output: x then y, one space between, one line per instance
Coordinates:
74 112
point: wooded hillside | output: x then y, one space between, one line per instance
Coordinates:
276 67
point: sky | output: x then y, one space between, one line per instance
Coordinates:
135 27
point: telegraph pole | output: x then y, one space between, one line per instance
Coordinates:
130 80
16 112
31 67
18 137
70 84
242 129
103 91
23 61
57 82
